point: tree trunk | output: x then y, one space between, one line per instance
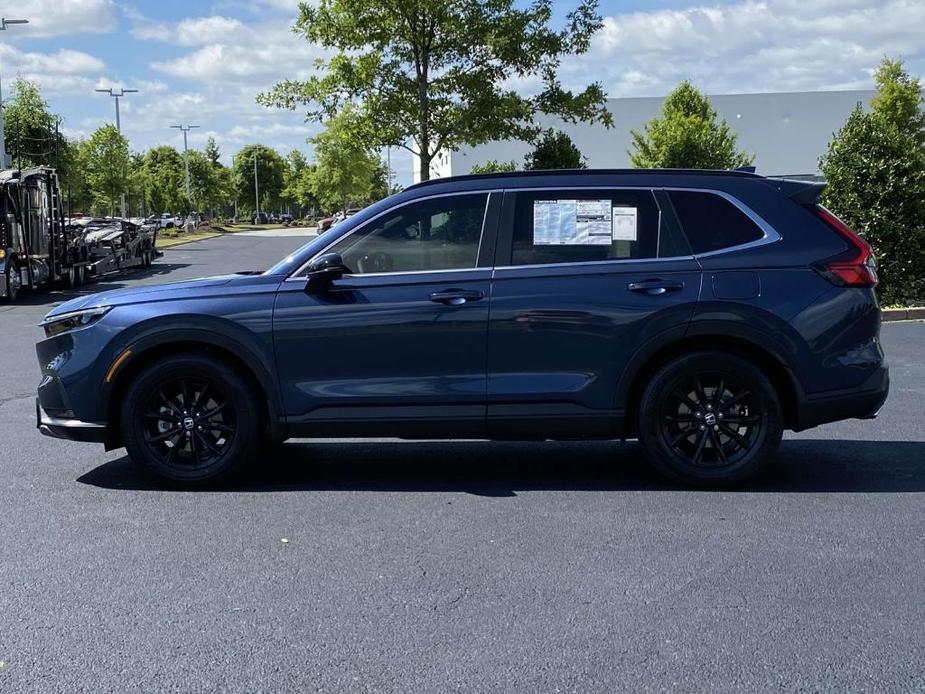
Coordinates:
425 160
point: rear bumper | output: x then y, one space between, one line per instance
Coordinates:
70 429
862 402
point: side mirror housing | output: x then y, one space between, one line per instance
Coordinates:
323 272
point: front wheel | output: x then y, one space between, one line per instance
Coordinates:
191 419
709 419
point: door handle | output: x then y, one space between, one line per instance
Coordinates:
456 297
655 287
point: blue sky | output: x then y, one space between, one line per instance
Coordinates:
203 62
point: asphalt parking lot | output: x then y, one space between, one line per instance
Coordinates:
498 567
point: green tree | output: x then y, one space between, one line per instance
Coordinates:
687 136
211 186
298 181
429 76
162 180
494 166
346 170
271 168
875 168
106 159
554 150
212 152
33 136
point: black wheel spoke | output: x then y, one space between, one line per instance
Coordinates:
217 426
162 417
681 419
694 407
718 393
736 436
701 393
735 399
204 440
736 419
173 452
194 448
163 436
200 397
714 439
701 442
214 411
681 436
173 408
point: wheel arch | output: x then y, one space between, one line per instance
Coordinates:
146 352
757 351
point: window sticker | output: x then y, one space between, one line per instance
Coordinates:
572 223
624 224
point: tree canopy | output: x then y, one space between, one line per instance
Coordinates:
875 168
347 171
555 150
105 157
433 75
271 168
687 135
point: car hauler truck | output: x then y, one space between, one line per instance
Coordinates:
38 246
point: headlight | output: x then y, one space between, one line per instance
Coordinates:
65 322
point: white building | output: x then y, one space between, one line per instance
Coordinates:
787 132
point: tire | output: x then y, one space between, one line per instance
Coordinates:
730 435
12 284
70 277
207 442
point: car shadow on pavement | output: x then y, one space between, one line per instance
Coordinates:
117 280
501 469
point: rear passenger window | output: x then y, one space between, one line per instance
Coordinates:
576 226
711 222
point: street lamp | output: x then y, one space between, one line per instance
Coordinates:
4 23
118 95
185 129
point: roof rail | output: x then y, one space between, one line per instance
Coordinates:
587 172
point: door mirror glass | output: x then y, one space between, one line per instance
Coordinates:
324 271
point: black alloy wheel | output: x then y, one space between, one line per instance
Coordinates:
191 419
709 419
189 423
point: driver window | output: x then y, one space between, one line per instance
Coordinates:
436 234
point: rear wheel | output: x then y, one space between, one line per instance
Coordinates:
709 419
12 283
191 420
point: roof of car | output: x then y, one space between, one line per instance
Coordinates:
552 173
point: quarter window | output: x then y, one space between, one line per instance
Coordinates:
711 222
574 226
436 234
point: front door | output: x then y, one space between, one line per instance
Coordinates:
584 278
398 345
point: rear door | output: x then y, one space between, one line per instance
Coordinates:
584 277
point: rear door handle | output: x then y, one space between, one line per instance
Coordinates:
655 287
456 297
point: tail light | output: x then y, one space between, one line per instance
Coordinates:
856 267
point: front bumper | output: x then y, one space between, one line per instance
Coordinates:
70 429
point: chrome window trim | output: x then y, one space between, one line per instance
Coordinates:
486 191
770 235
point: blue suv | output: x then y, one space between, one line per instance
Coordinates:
701 313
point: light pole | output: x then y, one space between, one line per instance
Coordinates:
256 189
118 95
185 129
4 23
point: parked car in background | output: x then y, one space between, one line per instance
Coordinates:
325 223
260 218
169 221
285 218
702 313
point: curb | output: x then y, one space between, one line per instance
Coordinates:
892 315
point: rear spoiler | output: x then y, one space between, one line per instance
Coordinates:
801 192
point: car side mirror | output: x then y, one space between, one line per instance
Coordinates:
323 272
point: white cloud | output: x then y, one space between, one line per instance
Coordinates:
192 31
57 17
752 45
